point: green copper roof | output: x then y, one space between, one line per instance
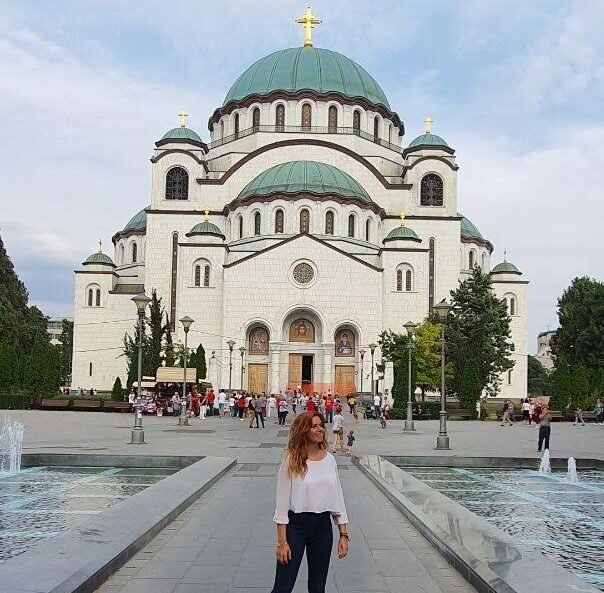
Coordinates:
402 233
428 140
468 230
304 176
181 133
307 68
205 228
137 222
505 267
99 258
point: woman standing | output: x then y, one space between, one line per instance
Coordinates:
309 496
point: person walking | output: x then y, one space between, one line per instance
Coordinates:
283 405
599 412
526 411
272 406
222 400
240 405
294 403
350 439
210 397
579 416
251 409
376 405
309 497
338 431
329 408
259 406
203 407
545 420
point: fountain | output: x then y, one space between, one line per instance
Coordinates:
544 467
11 445
571 474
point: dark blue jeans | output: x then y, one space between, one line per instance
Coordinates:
311 532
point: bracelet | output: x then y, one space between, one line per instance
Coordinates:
345 535
282 544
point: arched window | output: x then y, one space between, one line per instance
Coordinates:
90 296
332 119
279 221
368 229
201 266
351 225
306 116
376 129
390 133
505 304
329 222
356 121
121 255
512 306
206 275
236 125
408 282
256 118
484 262
471 259
177 184
257 223
197 275
280 116
134 252
404 278
222 128
93 295
240 227
431 190
304 221
399 280
510 377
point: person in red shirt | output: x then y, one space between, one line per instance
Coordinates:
211 397
329 408
311 406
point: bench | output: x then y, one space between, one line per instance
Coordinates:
54 403
82 404
461 414
587 417
422 416
113 406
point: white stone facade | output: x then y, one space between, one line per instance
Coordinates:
250 282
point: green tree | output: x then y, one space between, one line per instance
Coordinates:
470 389
394 348
561 387
580 388
426 356
66 350
169 353
581 316
117 392
478 328
8 367
538 378
155 322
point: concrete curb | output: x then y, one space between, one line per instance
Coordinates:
81 559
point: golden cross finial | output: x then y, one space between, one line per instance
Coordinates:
402 215
428 124
308 21
100 246
206 211
505 255
183 118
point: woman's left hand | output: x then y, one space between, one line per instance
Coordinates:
342 547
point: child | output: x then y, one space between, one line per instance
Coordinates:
350 438
382 418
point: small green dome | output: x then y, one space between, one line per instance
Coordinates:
99 258
307 68
506 267
181 133
304 177
468 229
138 222
205 228
428 140
402 233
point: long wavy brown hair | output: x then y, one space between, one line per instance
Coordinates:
297 447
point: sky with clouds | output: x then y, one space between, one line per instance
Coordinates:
516 87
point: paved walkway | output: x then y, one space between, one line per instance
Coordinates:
225 542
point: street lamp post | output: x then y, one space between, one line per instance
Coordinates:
231 343
442 440
362 352
242 352
372 348
409 425
138 434
182 419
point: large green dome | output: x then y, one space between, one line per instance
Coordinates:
304 177
307 68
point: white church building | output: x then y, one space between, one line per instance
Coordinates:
284 236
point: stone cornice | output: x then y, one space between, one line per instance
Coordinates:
411 149
481 242
442 159
199 144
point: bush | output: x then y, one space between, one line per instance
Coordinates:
14 401
401 413
117 393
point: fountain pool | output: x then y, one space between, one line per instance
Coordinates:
563 520
41 502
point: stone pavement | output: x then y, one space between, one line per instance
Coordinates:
225 542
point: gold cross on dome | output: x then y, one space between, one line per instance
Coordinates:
308 21
100 246
428 124
505 255
206 211
402 215
183 118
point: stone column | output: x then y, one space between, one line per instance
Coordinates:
389 379
327 366
275 369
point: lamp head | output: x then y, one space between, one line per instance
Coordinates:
186 323
141 301
410 326
231 343
442 310
242 350
372 348
362 352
